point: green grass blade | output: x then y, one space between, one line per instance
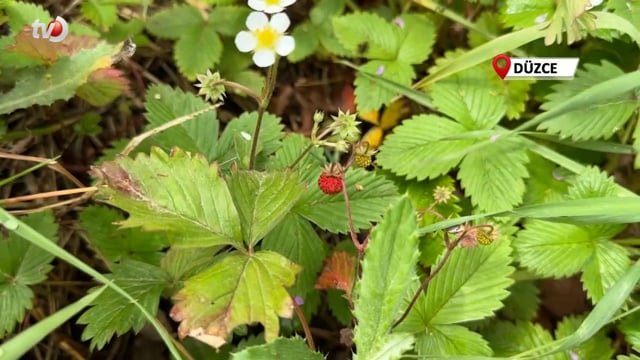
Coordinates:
594 145
13 224
26 340
35 167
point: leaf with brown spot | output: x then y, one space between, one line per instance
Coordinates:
103 86
338 273
239 289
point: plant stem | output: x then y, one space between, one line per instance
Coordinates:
450 247
308 148
265 98
305 324
352 230
242 88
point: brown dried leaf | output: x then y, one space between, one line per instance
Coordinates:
338 273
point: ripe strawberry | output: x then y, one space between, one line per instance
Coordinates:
331 179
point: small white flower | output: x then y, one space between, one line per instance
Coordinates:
593 4
266 38
270 6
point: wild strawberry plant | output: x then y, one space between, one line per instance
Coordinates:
443 231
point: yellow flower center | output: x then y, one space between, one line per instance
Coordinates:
266 37
272 2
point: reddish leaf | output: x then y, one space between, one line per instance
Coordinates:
42 49
338 272
103 86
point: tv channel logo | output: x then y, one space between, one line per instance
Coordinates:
535 68
56 30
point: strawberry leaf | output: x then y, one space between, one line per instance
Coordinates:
338 273
103 86
113 314
177 193
282 348
263 199
239 289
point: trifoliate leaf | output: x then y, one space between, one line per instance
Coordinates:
470 286
417 37
467 99
355 31
269 140
415 148
22 264
451 340
103 13
388 269
630 327
605 267
598 347
599 121
523 301
371 96
173 23
182 263
282 348
509 339
239 289
177 193
521 14
543 186
229 20
200 134
367 205
554 249
118 244
390 347
112 314
295 238
44 85
494 176
263 199
197 50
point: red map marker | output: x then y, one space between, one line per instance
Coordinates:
501 71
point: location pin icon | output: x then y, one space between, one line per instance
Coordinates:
501 71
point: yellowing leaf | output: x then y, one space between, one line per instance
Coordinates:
239 289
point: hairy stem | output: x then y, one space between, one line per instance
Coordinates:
267 91
305 324
352 230
308 148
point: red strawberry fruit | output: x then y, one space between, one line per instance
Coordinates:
331 179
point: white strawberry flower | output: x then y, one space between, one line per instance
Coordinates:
270 6
266 38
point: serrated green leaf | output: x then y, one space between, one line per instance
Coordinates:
451 340
228 20
367 205
263 200
630 327
239 289
606 266
182 263
197 50
269 141
470 286
295 238
173 23
598 121
542 186
597 348
178 193
369 95
307 42
112 314
592 183
43 86
100 12
388 269
325 10
391 347
494 177
466 99
381 37
279 349
520 14
523 301
199 134
509 339
21 13
22 264
626 9
415 148
293 145
418 35
118 244
543 247
339 307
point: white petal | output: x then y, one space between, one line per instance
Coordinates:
257 5
594 3
285 3
245 41
273 9
264 58
257 20
280 22
285 45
